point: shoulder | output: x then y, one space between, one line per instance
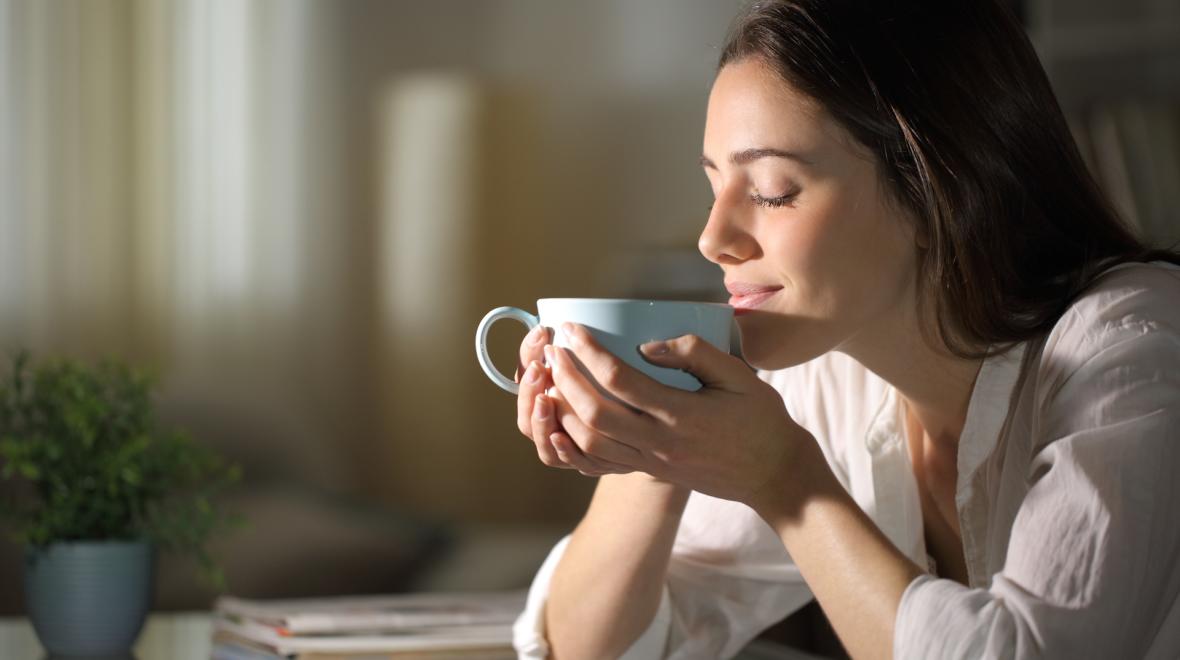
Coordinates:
1124 301
1104 438
1116 349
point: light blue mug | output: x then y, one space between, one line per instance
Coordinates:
620 326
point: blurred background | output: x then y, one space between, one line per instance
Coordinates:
296 212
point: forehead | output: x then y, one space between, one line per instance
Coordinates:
751 105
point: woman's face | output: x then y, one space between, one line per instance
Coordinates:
816 256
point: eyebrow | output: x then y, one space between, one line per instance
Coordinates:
751 155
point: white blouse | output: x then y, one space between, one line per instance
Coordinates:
1068 499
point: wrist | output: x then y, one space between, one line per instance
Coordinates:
673 495
645 491
804 477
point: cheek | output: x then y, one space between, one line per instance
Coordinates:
807 243
796 240
811 248
856 254
886 257
843 259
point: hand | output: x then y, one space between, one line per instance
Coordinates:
535 418
732 439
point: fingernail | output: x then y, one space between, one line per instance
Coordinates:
571 333
548 354
533 373
536 335
541 408
654 348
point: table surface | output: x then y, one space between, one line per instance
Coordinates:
166 636
187 635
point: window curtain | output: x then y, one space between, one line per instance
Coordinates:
166 176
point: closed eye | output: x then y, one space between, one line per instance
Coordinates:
773 202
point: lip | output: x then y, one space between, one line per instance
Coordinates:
745 296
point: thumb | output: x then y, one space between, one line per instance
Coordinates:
715 368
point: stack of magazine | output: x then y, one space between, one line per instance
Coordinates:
430 626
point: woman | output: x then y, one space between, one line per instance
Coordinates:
962 435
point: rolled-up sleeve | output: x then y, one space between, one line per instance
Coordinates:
1091 569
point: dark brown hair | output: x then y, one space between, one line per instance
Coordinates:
954 105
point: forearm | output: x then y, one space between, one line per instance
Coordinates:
857 575
607 587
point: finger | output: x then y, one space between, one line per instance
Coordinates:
568 452
602 414
582 436
605 450
543 423
534 381
713 367
545 428
530 349
614 375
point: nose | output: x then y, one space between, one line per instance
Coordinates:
726 240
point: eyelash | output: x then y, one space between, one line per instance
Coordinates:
769 202
772 202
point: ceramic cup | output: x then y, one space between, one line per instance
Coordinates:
620 326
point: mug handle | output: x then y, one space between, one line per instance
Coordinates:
481 343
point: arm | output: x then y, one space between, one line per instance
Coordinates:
1090 567
1090 570
607 587
728 578
1104 494
609 579
735 440
857 575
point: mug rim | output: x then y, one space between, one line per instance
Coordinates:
642 301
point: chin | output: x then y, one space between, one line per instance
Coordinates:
772 341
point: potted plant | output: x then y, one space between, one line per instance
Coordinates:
94 487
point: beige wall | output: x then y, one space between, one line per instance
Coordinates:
587 132
592 118
198 185
202 186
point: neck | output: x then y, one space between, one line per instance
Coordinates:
935 385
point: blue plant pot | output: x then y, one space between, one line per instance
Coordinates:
89 598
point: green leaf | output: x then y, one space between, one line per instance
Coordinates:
97 463
131 475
